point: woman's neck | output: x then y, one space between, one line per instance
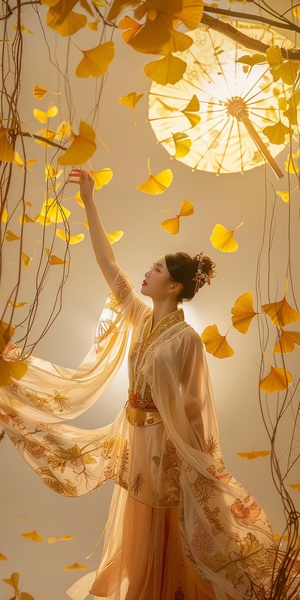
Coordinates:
161 310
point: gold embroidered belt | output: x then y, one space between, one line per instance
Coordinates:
142 418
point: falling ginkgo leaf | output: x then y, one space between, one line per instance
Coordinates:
3 557
4 216
182 144
17 304
33 536
276 133
76 566
55 260
82 147
95 62
26 260
130 100
44 116
63 19
54 211
11 237
39 92
43 135
101 177
254 454
7 153
215 343
243 312
23 28
276 381
172 225
71 239
64 130
222 238
51 173
281 313
295 486
156 184
115 236
287 341
168 69
65 538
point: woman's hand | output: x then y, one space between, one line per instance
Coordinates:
85 181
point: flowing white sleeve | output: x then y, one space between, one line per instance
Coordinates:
50 393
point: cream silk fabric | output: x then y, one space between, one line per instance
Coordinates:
163 452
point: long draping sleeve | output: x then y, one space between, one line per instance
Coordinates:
227 536
50 393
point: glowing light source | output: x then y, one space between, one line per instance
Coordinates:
220 106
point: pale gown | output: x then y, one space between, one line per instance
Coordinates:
179 526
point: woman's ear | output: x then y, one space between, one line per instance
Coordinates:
175 288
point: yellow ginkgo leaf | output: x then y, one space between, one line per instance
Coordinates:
42 116
169 69
130 100
115 236
4 216
222 238
287 341
291 112
156 184
3 557
51 173
215 343
172 225
82 147
65 538
96 61
276 381
10 370
63 19
295 486
276 133
71 239
243 312
76 566
182 144
281 313
26 260
17 304
286 70
54 211
64 131
11 237
6 333
191 111
255 59
254 454
43 135
23 28
39 92
33 536
7 153
93 25
155 36
55 260
101 177
13 581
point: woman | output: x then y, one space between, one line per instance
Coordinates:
179 526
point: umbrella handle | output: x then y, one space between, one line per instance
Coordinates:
261 145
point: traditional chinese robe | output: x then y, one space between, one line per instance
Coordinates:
180 526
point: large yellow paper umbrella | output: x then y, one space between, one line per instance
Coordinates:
213 118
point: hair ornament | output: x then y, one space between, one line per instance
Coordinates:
201 276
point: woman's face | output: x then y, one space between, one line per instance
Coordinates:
157 280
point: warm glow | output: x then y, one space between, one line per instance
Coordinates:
236 101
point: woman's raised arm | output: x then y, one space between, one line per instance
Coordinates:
102 248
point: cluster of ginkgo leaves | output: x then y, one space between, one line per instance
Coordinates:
281 314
